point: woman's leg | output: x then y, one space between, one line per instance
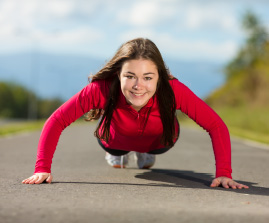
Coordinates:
159 151
114 152
115 158
147 160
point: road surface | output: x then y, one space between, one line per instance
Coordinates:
86 189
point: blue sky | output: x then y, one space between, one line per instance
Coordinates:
182 29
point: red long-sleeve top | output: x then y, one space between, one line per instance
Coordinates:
131 130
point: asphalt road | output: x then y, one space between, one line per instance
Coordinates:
86 189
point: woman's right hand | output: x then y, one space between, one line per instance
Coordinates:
38 178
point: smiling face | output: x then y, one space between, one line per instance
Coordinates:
138 79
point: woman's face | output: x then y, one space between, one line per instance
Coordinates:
138 80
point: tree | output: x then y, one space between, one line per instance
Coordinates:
247 75
254 52
15 99
254 47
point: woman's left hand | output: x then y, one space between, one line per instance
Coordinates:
227 183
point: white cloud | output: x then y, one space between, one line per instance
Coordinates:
77 37
201 49
79 40
46 22
175 47
135 33
215 16
60 10
198 49
182 28
187 16
144 13
147 13
36 13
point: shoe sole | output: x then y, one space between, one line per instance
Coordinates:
118 166
147 167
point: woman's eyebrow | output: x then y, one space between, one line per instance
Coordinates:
129 72
148 73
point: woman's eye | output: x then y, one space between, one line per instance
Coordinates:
129 77
148 78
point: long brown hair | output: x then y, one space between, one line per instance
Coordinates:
139 48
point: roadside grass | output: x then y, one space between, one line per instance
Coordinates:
26 126
248 123
21 126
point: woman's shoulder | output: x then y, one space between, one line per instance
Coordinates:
175 83
100 83
103 85
179 87
97 87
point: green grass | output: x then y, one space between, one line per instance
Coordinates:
28 126
249 123
22 126
245 122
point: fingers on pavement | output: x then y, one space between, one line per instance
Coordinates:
215 183
49 179
38 179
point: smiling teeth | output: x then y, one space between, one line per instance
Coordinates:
137 94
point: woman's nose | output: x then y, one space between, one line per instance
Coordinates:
137 84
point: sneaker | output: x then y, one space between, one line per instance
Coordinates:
117 161
144 160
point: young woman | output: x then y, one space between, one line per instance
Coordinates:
136 99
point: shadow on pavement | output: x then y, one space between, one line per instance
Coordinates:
181 179
190 179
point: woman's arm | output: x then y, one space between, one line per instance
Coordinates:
90 97
208 119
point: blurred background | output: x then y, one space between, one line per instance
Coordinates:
219 49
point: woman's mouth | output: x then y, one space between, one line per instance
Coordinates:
137 94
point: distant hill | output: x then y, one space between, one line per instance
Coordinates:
250 88
62 76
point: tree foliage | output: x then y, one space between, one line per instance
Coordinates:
248 73
254 48
15 102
